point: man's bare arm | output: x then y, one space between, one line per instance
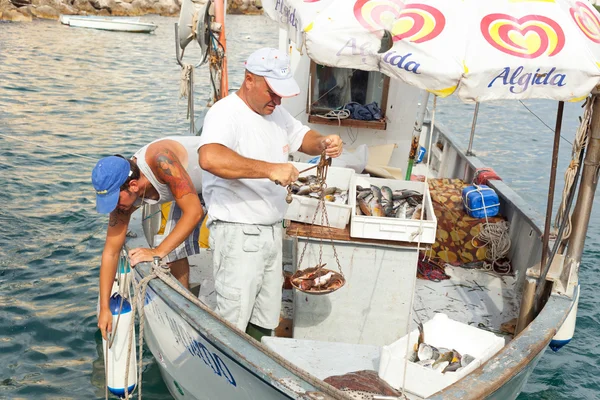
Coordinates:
169 170
225 163
115 238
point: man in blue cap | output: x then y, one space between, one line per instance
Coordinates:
163 171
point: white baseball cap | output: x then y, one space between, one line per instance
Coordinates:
274 66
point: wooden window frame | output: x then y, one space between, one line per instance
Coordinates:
350 122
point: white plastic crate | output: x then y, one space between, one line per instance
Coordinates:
403 230
302 208
440 331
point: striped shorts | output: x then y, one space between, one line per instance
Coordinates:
189 246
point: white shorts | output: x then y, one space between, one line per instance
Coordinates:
248 272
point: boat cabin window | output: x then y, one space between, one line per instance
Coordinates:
348 97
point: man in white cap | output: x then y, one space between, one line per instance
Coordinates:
244 148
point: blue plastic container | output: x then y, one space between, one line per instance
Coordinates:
480 200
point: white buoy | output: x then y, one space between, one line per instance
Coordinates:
115 360
566 331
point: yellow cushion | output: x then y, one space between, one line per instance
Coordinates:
204 233
164 215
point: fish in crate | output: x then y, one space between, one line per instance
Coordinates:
375 201
310 187
438 359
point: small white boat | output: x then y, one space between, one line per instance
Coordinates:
122 24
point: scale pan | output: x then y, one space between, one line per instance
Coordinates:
336 276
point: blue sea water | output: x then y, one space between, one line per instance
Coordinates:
69 96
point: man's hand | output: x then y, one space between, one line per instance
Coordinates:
141 254
105 322
333 145
283 174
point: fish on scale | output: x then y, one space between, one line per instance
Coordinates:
309 187
382 201
439 359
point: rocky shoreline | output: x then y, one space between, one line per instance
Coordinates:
27 10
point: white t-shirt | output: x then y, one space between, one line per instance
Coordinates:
269 138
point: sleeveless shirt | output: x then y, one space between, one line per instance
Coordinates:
190 143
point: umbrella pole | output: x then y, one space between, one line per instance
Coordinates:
416 135
475 113
528 304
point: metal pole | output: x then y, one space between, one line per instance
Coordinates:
475 113
551 186
528 305
585 199
416 135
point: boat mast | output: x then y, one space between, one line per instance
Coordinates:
220 19
585 199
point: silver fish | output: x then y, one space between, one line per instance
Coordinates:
386 194
440 366
413 356
452 367
388 209
341 198
444 359
417 212
304 190
466 360
427 352
414 201
364 207
363 193
330 190
376 192
403 194
401 212
375 207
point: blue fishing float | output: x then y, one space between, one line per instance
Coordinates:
567 330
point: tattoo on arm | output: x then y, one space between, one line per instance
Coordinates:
170 171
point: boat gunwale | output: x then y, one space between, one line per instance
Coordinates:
503 366
185 308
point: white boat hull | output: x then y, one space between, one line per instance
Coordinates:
192 365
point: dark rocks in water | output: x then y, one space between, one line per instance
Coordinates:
14 16
362 381
25 10
248 7
20 3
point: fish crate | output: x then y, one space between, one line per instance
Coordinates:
302 208
440 331
387 228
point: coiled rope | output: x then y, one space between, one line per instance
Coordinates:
495 236
580 142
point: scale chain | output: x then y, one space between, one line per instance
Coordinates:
322 170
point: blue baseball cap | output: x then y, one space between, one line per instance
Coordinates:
107 177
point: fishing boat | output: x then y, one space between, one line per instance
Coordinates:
121 24
360 339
